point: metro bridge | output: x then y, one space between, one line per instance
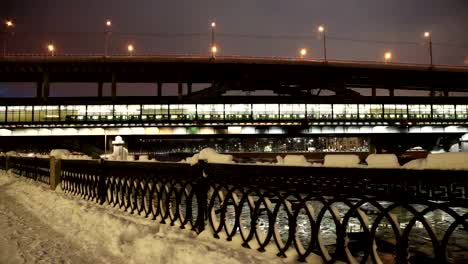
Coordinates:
299 77
209 113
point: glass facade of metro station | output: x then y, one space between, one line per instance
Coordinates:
231 112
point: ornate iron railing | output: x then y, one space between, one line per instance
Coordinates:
37 169
341 214
166 191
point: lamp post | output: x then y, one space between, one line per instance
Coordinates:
321 29
51 49
303 53
8 27
130 49
428 36
214 49
387 56
108 35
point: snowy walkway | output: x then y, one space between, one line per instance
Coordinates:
41 226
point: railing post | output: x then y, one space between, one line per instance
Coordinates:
102 188
36 168
55 172
201 188
7 166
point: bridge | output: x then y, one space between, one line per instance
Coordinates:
300 77
297 109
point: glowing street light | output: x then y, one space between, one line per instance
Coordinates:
303 53
214 49
108 35
51 49
428 36
130 49
8 30
321 29
387 56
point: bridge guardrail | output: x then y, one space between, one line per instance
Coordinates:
340 214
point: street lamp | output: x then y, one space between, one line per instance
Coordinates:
108 35
303 53
8 27
130 49
387 56
51 49
321 29
428 36
214 49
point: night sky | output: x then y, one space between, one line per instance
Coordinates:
356 29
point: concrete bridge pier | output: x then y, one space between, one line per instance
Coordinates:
113 86
189 88
100 85
180 90
159 88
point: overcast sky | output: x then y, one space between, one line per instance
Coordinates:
383 20
395 25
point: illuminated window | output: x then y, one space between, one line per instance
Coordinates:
183 112
19 113
419 111
100 112
46 113
72 112
127 112
210 112
265 111
2 114
319 111
155 112
237 111
461 110
370 111
443 111
292 111
392 111
345 111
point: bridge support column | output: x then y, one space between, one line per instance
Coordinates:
159 85
100 85
446 93
45 85
391 92
180 90
189 88
374 92
39 89
113 87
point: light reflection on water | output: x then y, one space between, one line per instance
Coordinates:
437 220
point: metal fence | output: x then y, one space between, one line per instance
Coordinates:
341 214
37 169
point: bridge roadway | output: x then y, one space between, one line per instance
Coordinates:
289 76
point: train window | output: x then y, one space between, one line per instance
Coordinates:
444 111
155 112
2 114
292 111
345 111
127 112
395 111
370 111
237 111
265 111
183 112
46 113
100 112
19 113
419 111
462 112
319 111
72 112
210 112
